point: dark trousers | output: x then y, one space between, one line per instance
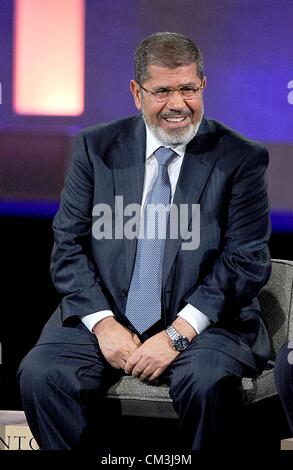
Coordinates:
284 380
62 386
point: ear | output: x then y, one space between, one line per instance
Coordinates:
204 82
135 90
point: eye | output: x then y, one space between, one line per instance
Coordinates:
161 92
188 90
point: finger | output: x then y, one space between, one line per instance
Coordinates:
137 372
147 372
128 367
140 367
131 362
115 365
118 362
156 374
136 340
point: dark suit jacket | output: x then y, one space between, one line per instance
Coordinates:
223 172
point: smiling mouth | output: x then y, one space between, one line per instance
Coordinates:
176 119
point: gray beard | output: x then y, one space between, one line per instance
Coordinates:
178 137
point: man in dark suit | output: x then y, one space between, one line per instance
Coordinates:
181 312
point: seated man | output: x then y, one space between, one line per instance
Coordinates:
284 379
168 293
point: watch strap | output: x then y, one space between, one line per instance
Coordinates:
172 332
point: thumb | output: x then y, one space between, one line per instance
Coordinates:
136 340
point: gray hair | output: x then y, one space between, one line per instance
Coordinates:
166 50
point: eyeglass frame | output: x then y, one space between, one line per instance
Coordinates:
171 89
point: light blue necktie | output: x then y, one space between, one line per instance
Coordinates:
143 307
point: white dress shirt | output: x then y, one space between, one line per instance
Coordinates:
192 315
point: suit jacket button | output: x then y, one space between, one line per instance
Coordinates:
124 292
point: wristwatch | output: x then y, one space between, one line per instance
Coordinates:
179 342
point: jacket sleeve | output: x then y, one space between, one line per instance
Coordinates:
243 266
73 271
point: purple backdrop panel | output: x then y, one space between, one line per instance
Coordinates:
248 52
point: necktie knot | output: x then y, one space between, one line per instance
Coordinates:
164 155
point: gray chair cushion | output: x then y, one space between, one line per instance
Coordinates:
277 304
139 399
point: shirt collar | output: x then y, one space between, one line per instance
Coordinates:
153 143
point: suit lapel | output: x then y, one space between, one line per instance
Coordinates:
199 160
128 172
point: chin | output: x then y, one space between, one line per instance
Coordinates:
176 136
177 130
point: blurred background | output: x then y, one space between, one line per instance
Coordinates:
65 65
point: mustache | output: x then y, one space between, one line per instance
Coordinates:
171 114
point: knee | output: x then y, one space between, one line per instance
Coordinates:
284 358
284 367
32 373
206 385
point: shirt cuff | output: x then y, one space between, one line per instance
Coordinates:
198 320
93 318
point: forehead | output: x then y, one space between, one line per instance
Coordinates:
176 76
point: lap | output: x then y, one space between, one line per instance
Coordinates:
84 364
202 358
202 367
71 366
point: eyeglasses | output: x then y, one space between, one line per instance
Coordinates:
188 92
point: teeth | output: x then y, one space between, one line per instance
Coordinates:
175 119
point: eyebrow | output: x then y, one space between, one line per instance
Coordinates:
181 85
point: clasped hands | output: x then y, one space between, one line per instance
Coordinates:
122 349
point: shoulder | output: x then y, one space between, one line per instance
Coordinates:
101 138
230 138
108 131
233 147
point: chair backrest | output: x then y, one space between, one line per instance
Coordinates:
276 302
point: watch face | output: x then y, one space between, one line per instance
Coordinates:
181 343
